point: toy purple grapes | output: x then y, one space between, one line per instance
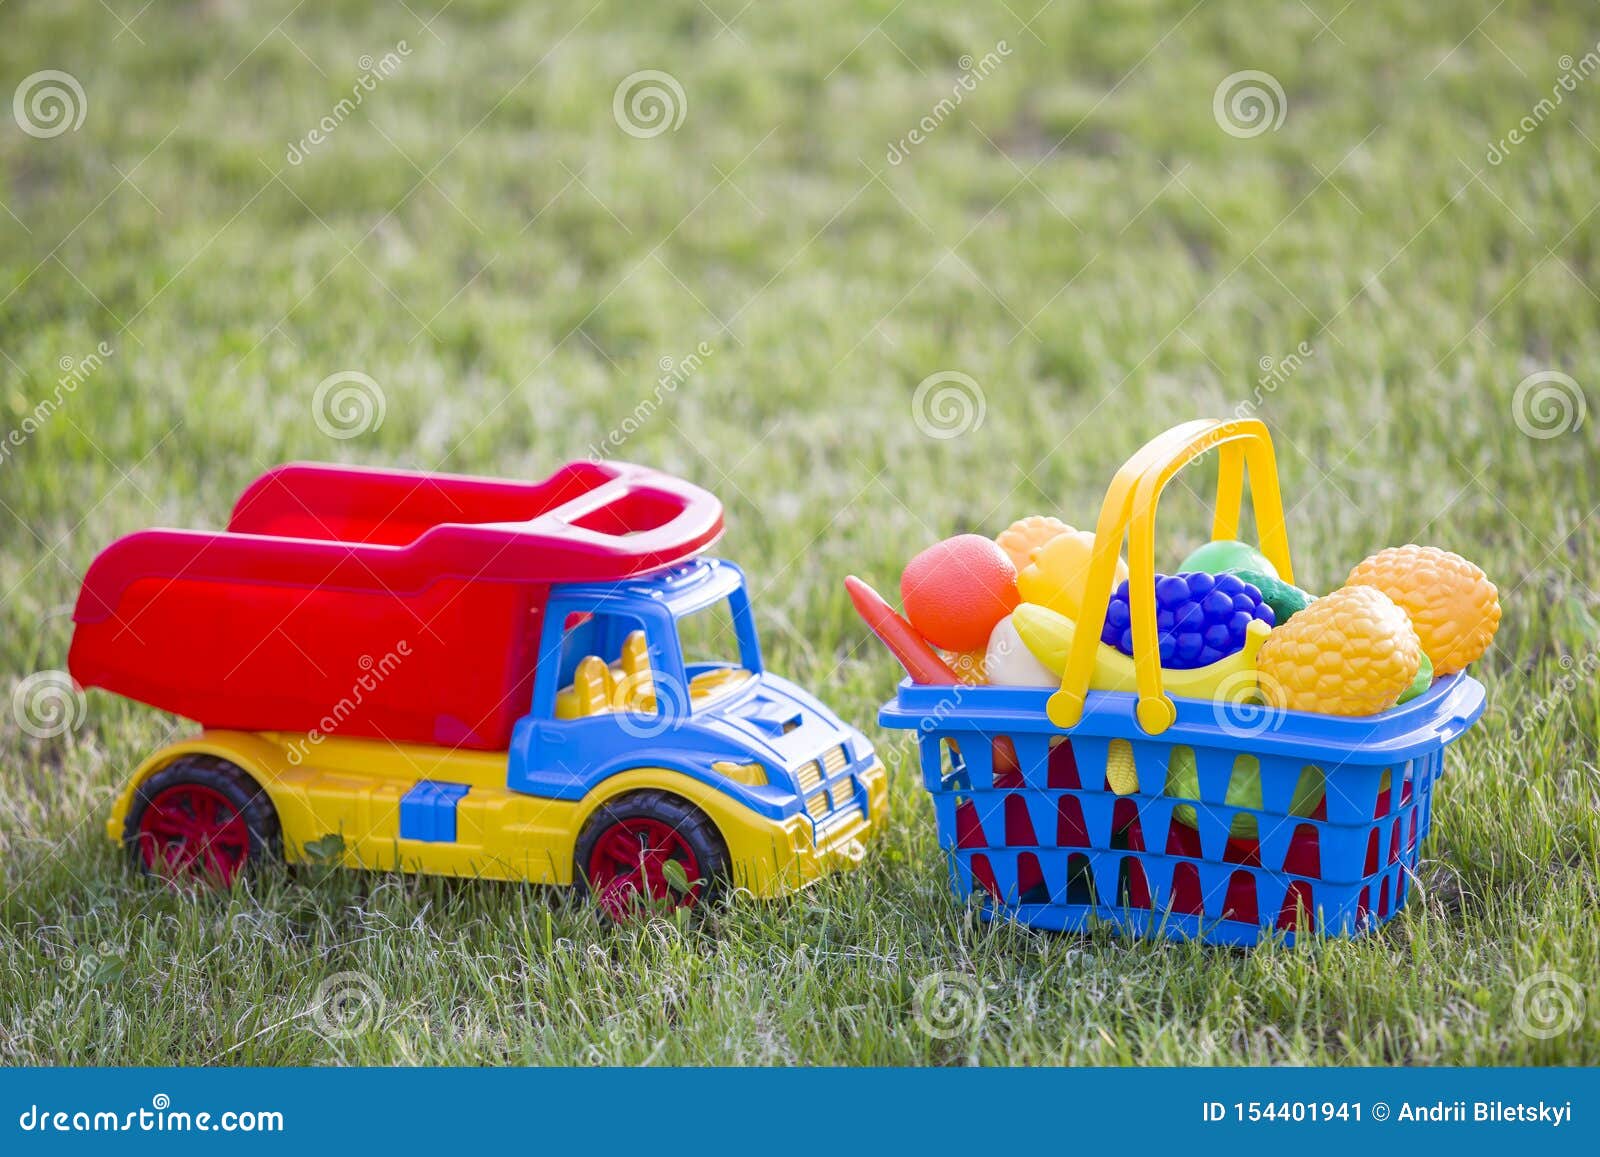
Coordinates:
1200 618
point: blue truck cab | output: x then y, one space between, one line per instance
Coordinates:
665 671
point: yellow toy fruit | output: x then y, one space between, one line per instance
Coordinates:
1452 603
1353 652
968 666
1121 775
1060 568
1026 535
1049 636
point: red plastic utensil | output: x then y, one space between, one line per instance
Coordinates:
898 635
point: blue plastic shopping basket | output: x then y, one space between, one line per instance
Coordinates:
1034 830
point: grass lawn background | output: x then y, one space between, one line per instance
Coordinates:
1079 236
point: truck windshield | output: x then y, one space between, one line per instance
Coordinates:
712 656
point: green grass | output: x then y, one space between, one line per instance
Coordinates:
1079 236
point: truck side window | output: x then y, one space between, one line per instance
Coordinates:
605 667
594 634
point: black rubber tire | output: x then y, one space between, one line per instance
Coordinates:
248 798
688 821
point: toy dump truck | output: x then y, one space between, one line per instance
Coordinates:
471 677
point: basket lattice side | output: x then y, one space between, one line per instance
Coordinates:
1034 830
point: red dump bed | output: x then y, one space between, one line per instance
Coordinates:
378 603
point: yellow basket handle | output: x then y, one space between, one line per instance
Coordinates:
1130 509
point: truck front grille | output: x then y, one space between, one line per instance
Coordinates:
827 790
809 776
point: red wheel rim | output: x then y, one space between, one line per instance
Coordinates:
192 829
629 862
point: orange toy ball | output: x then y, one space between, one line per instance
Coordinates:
957 590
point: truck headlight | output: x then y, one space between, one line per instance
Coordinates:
750 774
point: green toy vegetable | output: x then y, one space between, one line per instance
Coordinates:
1285 599
1228 554
1244 790
1421 683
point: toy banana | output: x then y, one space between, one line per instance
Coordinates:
1049 636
